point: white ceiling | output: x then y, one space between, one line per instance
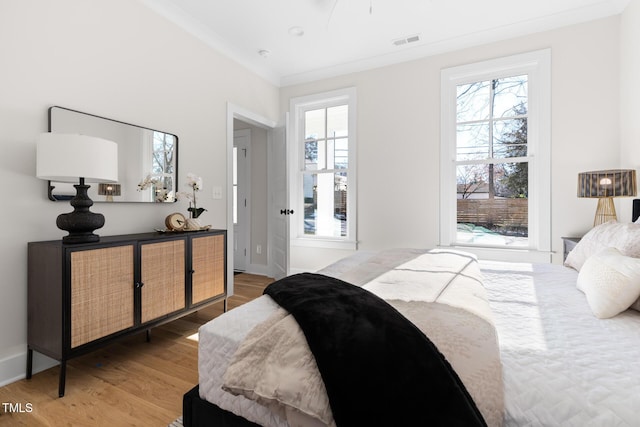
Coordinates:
342 36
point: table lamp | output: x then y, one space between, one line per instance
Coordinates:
77 158
108 190
604 185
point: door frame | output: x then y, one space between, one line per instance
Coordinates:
236 112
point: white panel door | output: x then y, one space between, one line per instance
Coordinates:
279 211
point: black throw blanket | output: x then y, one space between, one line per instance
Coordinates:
378 368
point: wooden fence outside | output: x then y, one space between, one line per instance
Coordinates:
494 212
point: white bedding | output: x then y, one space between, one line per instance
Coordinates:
218 340
276 367
561 365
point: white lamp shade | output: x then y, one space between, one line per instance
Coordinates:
67 157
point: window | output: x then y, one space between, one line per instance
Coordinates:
324 151
162 166
495 155
235 185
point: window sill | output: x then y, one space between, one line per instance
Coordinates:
326 243
505 254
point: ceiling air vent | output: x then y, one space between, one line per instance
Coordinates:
405 40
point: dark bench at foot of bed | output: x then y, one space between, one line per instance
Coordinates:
197 412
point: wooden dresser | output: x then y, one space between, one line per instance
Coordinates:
84 296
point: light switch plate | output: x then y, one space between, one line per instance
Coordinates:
217 192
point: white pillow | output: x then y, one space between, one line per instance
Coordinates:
623 236
611 282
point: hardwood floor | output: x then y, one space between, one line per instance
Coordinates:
129 383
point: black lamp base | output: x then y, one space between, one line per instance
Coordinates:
81 222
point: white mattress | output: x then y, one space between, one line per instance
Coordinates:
561 365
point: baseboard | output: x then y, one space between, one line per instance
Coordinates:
263 270
13 368
260 269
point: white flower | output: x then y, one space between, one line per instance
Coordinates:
162 195
194 181
147 182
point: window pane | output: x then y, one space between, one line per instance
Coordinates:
309 183
235 165
472 141
235 185
510 138
314 124
235 204
329 154
311 155
325 204
341 153
473 101
510 96
337 121
340 204
493 204
337 153
163 150
483 181
471 181
162 164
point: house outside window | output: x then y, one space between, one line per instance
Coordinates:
495 156
324 191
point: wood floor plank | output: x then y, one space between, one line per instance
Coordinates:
128 383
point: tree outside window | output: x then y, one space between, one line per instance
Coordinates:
162 165
492 156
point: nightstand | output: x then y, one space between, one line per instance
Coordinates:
568 243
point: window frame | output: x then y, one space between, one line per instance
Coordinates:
537 65
298 107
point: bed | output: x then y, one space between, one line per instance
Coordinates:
564 358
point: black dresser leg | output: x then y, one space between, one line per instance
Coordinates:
63 374
29 363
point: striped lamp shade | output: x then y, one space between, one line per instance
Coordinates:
607 183
108 189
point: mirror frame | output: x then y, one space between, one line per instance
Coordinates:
59 197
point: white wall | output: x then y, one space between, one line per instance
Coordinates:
398 135
120 60
630 90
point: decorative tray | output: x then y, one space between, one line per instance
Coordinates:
184 230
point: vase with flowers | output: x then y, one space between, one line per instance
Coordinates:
159 192
195 183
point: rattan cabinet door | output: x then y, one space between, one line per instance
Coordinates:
207 261
101 293
162 272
